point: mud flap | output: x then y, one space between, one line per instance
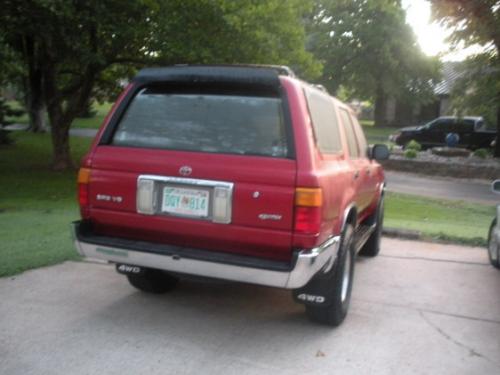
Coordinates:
316 291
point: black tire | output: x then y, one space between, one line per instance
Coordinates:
340 293
153 281
371 248
493 246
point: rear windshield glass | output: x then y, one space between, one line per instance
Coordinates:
206 122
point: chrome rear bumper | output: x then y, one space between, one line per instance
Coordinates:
308 263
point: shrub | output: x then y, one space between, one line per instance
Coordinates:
410 153
413 145
6 111
481 153
4 137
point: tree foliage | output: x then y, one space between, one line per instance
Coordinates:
475 92
472 22
475 22
368 47
77 50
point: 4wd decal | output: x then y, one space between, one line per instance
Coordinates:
127 269
311 298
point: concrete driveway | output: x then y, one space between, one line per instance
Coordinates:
418 308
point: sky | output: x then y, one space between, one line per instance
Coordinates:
431 36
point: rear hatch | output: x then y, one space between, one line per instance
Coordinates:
204 166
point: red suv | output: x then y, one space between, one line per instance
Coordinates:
242 173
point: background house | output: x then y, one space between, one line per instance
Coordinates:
401 113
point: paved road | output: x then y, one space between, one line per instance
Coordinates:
418 308
441 187
77 132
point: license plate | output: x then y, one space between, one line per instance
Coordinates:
185 202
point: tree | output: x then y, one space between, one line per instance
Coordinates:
476 22
81 47
367 47
475 92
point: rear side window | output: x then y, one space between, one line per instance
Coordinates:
450 126
360 136
206 122
467 126
324 121
352 142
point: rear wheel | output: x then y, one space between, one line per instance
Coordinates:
493 250
153 281
371 247
339 285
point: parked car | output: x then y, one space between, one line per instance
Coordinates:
471 131
233 172
494 232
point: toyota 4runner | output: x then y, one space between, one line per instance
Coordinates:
241 173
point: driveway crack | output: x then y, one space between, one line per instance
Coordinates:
472 352
440 260
429 311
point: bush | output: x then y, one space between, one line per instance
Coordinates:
4 137
410 153
481 153
413 145
7 111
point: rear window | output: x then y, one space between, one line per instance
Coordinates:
206 122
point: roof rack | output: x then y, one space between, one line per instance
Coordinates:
258 76
281 69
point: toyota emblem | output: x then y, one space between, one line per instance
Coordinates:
185 170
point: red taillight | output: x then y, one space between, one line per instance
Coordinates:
83 191
307 220
83 194
308 202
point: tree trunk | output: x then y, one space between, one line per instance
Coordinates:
380 107
60 143
36 113
34 86
60 122
63 106
35 102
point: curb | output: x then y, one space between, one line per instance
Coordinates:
414 235
443 169
402 233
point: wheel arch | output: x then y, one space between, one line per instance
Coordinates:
350 216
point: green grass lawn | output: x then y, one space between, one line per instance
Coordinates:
376 134
92 122
96 121
37 206
437 219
